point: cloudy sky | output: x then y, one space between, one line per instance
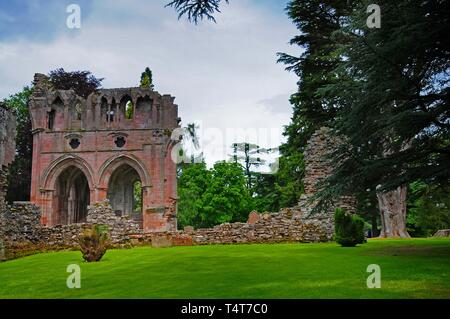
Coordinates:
224 76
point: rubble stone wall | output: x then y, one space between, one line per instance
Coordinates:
21 230
20 223
318 166
7 152
285 226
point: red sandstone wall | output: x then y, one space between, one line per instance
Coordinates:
147 149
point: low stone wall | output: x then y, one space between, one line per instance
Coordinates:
21 231
286 226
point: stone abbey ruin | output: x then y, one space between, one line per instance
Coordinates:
89 150
88 155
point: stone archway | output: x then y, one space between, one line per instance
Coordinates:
71 197
125 192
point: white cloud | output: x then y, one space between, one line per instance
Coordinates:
224 75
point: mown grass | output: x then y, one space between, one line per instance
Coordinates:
416 268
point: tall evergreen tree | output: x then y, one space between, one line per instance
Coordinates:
392 89
317 21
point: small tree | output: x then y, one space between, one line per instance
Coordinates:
93 243
147 79
348 229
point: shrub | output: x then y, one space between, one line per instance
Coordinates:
93 243
348 229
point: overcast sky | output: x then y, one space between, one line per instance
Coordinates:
224 76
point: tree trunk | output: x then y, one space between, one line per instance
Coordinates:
375 232
392 207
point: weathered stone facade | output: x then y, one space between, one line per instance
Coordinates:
318 166
7 146
21 224
285 226
7 152
89 150
22 231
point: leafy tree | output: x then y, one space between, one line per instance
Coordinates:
147 79
214 196
265 195
129 110
289 179
227 198
19 177
196 9
429 209
137 194
192 185
82 82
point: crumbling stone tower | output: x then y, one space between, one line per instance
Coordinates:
107 146
7 146
318 166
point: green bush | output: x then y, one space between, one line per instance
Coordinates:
93 243
348 229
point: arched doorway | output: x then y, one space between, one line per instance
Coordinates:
72 197
125 192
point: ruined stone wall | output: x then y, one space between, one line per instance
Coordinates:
285 226
7 153
318 166
7 145
95 135
21 231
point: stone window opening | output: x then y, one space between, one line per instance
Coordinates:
104 110
78 112
120 141
74 143
129 110
143 107
137 190
112 111
110 117
125 108
51 120
158 114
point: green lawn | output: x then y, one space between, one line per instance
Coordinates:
418 268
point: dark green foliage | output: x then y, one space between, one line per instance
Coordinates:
265 196
348 229
19 177
316 21
196 9
82 82
392 91
428 209
93 243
